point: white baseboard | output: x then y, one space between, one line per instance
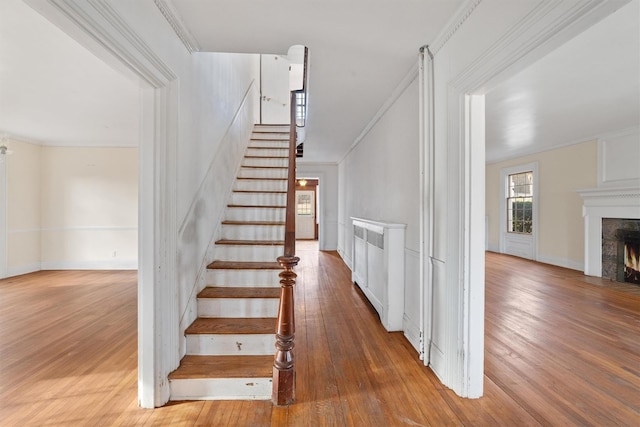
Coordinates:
411 332
561 262
23 269
90 265
346 259
493 248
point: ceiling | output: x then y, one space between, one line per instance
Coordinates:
53 91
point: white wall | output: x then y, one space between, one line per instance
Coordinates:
379 180
71 208
89 208
560 225
23 207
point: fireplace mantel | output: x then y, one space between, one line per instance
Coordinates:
604 202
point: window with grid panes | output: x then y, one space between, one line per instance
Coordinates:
520 203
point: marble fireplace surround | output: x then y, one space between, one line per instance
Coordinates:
602 203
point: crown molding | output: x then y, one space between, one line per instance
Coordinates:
545 27
101 24
172 16
452 26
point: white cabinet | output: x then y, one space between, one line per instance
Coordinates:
378 267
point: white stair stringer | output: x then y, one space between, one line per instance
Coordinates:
234 360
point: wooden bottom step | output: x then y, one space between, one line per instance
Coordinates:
222 378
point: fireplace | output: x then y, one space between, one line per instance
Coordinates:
621 249
602 210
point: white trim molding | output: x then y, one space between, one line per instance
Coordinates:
172 16
97 25
458 267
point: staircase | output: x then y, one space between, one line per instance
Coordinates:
231 345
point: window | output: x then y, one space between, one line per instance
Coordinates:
304 204
520 203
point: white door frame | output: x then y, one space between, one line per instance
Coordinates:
461 268
100 28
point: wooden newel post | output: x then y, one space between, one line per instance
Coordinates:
284 373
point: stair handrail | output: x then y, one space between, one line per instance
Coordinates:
284 375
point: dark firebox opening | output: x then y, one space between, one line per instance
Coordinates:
616 234
631 257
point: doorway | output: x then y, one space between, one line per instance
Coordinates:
307 208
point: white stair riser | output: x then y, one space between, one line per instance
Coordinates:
252 232
259 199
267 152
232 344
261 185
265 162
252 253
221 389
276 134
276 127
239 278
255 214
262 173
269 143
238 307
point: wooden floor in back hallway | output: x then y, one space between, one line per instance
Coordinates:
559 351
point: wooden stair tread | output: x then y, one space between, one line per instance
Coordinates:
240 325
265 167
262 179
239 292
244 265
262 147
250 242
229 222
258 206
223 367
266 157
261 191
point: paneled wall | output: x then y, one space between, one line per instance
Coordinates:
380 180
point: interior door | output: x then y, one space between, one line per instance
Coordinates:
275 89
305 214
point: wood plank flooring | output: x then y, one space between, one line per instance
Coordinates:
560 350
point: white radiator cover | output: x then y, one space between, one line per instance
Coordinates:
378 267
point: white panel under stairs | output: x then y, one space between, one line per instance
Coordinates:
230 346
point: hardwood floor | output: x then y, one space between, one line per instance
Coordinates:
559 351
